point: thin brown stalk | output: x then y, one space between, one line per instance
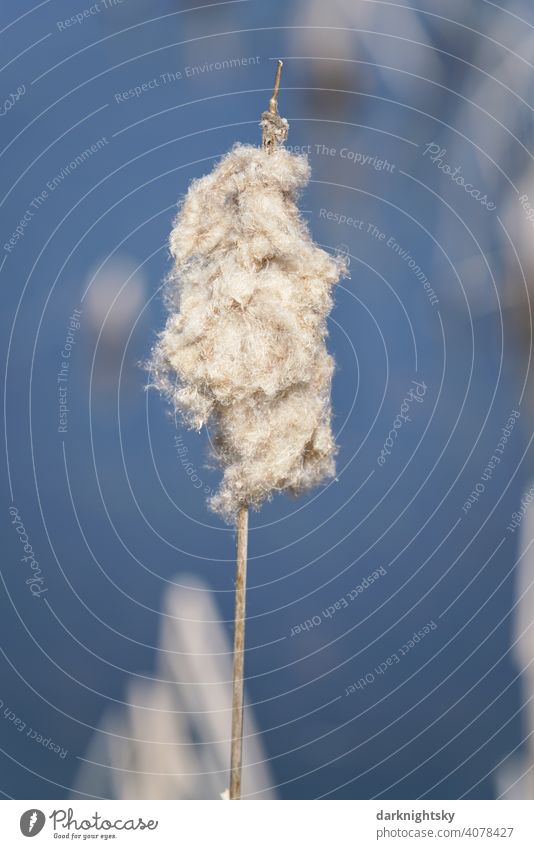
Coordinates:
274 133
239 654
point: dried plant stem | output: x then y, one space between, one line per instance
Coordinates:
239 654
274 133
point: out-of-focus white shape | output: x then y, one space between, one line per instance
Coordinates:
172 741
513 779
516 220
497 104
518 288
391 36
494 121
523 636
496 87
114 297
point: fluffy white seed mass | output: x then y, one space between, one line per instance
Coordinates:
244 345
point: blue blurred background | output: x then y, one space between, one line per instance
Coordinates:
107 117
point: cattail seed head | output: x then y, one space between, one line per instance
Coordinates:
244 345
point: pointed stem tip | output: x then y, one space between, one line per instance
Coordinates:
274 128
273 102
